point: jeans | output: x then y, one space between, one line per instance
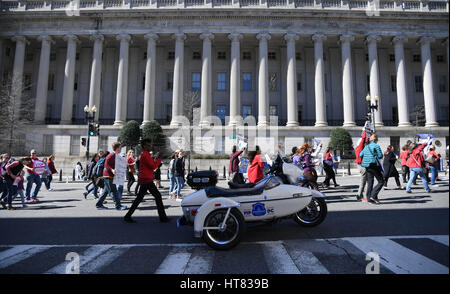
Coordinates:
109 188
173 183
434 172
48 181
374 171
362 180
131 180
180 184
3 188
330 175
12 191
143 188
93 189
417 171
120 191
405 173
32 178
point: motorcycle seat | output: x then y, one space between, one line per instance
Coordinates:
213 191
240 186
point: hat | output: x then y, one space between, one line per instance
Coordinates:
432 147
32 151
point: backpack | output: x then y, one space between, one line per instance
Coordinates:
98 168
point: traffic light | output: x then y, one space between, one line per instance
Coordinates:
83 141
91 129
97 129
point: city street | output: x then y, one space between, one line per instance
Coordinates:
408 232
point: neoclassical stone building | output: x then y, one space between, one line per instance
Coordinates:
310 63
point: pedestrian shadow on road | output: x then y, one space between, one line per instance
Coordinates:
406 200
46 207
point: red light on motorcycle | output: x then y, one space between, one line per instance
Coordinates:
194 212
218 204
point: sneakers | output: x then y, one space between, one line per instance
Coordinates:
85 194
11 208
2 203
179 198
102 207
123 207
50 189
29 201
36 200
409 192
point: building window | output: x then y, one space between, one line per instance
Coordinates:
325 78
418 84
196 81
27 82
169 113
145 55
77 56
75 145
324 57
395 142
393 83
170 81
298 56
299 113
171 55
143 81
48 113
367 57
221 81
246 81
442 84
196 55
246 111
103 143
395 115
221 55
416 58
368 83
221 112
272 56
29 57
273 81
246 55
52 56
51 82
391 57
273 110
75 84
440 58
8 51
48 144
299 81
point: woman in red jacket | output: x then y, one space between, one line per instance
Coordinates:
255 171
416 164
404 155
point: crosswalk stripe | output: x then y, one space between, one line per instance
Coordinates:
307 263
201 262
99 262
19 253
90 254
440 239
279 260
175 262
398 258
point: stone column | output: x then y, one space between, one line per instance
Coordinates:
206 90
122 80
235 76
17 76
96 73
178 71
263 80
428 87
348 100
150 78
292 98
319 86
69 79
402 92
42 83
374 76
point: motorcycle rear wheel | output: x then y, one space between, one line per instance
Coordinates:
313 214
230 236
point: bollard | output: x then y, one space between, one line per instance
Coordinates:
60 175
210 168
196 169
224 172
73 175
348 168
67 180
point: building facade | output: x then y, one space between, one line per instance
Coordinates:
309 63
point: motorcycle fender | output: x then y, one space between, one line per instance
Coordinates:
317 194
206 208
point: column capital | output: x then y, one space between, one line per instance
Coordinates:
346 38
46 38
399 39
97 37
207 36
425 40
151 36
179 36
123 37
291 37
21 39
263 36
373 38
235 37
318 37
71 37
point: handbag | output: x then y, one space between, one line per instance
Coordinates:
431 159
424 169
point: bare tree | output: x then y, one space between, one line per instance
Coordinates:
16 113
191 102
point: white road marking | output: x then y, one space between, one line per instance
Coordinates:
175 262
398 258
307 263
90 254
103 260
440 239
201 261
279 261
19 253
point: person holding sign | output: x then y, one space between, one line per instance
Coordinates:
33 174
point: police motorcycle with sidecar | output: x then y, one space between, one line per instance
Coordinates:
219 215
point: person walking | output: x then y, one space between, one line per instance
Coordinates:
171 172
303 159
13 178
157 175
146 167
371 154
108 178
92 177
362 170
328 168
404 155
4 161
131 170
46 174
32 176
416 164
79 171
179 171
233 168
51 166
255 171
390 158
433 162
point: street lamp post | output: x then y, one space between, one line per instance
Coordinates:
90 118
372 109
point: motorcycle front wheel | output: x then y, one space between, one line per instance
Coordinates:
313 214
227 237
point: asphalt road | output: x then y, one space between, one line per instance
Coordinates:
63 221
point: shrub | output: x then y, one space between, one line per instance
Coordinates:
130 134
340 140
